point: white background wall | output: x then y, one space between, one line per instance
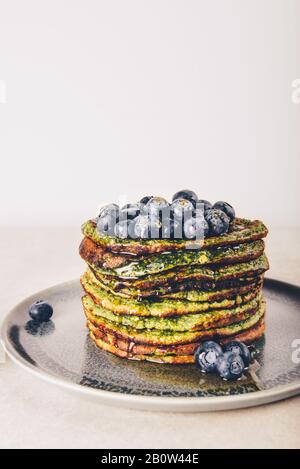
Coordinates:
133 97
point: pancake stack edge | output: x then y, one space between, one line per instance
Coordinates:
158 300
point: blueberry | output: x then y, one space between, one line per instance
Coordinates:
171 228
195 227
157 205
201 222
226 208
124 229
108 217
241 349
181 206
218 222
106 223
186 194
110 208
206 356
130 211
155 227
206 204
230 366
142 228
145 200
40 311
147 227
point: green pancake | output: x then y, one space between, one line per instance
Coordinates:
190 291
131 347
240 231
216 295
137 266
182 323
173 353
163 262
162 308
168 337
188 274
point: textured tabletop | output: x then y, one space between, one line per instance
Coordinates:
35 414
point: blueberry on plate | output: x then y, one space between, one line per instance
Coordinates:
226 208
205 203
186 194
129 211
195 227
157 205
179 207
145 200
241 349
40 311
218 222
230 366
206 356
124 229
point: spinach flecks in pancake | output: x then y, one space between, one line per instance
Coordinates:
190 273
162 307
122 266
189 290
181 323
167 337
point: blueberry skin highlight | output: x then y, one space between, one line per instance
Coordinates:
40 311
124 228
186 194
218 222
241 349
130 211
206 356
145 200
107 219
181 206
226 208
206 204
230 366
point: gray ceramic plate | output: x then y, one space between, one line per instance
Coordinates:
61 352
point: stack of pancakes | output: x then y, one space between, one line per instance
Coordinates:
158 299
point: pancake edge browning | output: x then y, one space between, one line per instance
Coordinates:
162 308
213 290
177 323
140 266
134 351
159 337
191 274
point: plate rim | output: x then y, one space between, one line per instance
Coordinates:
159 403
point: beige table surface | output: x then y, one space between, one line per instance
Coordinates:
35 414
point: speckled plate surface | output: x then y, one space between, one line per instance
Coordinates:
61 352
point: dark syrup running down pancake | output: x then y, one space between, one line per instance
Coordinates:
159 299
